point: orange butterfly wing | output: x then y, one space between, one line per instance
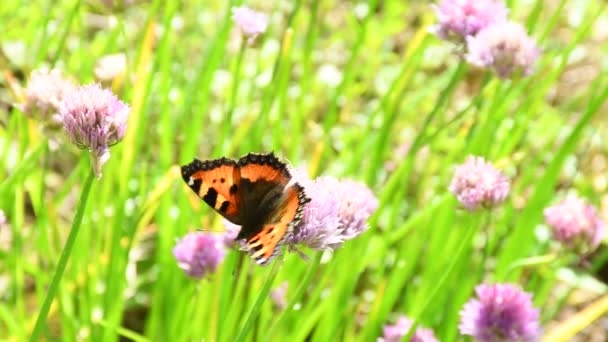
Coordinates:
217 183
265 245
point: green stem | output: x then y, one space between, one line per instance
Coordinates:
448 271
253 313
63 259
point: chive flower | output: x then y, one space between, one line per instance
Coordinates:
95 119
476 184
251 23
500 313
278 296
43 95
199 253
321 227
459 19
504 48
575 224
397 331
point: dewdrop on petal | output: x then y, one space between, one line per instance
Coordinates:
199 253
575 224
500 313
476 184
459 19
505 48
95 119
396 332
251 23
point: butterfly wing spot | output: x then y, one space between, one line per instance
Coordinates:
233 189
205 179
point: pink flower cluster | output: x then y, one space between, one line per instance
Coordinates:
490 39
575 224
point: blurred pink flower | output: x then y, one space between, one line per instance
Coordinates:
199 253
476 183
44 93
251 23
95 119
461 18
278 295
575 224
396 332
501 312
503 47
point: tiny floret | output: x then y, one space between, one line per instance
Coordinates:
459 19
95 119
505 48
251 23
477 184
357 204
396 332
199 253
575 224
501 312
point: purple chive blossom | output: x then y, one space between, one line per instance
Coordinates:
357 203
502 312
251 23
575 224
503 47
477 183
396 332
44 93
230 233
461 18
321 228
199 253
278 295
94 119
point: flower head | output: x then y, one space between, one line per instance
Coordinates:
504 47
459 19
502 312
396 332
575 224
357 204
94 119
44 93
199 253
278 295
251 23
321 228
477 183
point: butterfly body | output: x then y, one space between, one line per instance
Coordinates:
253 192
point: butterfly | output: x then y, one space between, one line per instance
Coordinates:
253 192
